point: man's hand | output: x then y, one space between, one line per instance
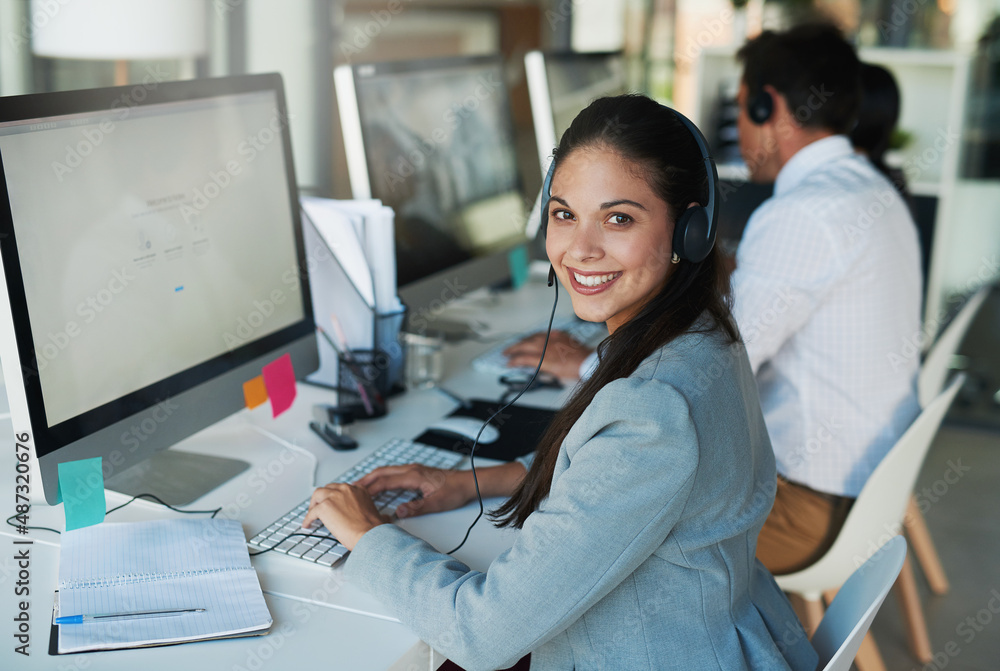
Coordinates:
563 358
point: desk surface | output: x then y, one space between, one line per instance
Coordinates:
319 618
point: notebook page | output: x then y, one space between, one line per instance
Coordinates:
158 565
107 551
232 601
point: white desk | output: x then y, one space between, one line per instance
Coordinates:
319 618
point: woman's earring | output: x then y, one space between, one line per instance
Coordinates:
674 258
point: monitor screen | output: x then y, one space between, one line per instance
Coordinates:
151 251
434 140
562 84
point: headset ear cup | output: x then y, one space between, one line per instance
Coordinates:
760 106
680 229
693 237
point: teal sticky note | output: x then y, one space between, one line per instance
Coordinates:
517 258
81 490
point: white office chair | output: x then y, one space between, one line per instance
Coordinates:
848 618
937 364
933 373
876 517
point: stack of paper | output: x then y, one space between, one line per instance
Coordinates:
351 254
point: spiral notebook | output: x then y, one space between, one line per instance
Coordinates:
154 566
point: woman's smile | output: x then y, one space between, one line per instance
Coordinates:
590 283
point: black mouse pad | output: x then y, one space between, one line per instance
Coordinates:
520 429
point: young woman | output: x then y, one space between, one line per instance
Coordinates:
639 513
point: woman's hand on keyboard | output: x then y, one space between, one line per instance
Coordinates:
563 356
440 490
347 512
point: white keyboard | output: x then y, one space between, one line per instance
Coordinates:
494 362
322 548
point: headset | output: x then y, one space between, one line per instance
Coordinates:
696 228
760 106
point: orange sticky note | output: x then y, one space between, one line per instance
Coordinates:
279 378
255 392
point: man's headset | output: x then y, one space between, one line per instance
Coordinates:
696 227
760 105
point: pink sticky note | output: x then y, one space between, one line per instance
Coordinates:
279 378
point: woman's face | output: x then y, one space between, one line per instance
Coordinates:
609 236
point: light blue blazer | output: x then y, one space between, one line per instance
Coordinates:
641 557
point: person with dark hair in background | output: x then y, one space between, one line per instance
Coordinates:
639 510
827 287
877 118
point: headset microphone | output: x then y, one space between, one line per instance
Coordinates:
552 275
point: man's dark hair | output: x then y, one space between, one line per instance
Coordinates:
813 67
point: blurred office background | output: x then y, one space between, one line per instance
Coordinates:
945 55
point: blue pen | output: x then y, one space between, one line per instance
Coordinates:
80 619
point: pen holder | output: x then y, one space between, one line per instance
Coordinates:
363 382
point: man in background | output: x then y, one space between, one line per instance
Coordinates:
827 288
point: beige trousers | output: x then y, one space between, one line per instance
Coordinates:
801 527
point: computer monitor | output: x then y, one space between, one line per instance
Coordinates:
434 140
560 85
153 259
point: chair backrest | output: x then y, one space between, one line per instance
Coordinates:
848 618
877 514
934 369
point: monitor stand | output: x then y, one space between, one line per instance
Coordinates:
176 477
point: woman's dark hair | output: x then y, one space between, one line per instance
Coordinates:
665 154
878 114
877 119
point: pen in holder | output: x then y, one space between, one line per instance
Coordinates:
363 381
362 378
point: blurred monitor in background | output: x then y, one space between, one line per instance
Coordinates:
562 84
434 140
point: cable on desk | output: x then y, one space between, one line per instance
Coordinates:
214 512
475 444
297 533
27 528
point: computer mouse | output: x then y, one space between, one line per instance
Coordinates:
466 427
